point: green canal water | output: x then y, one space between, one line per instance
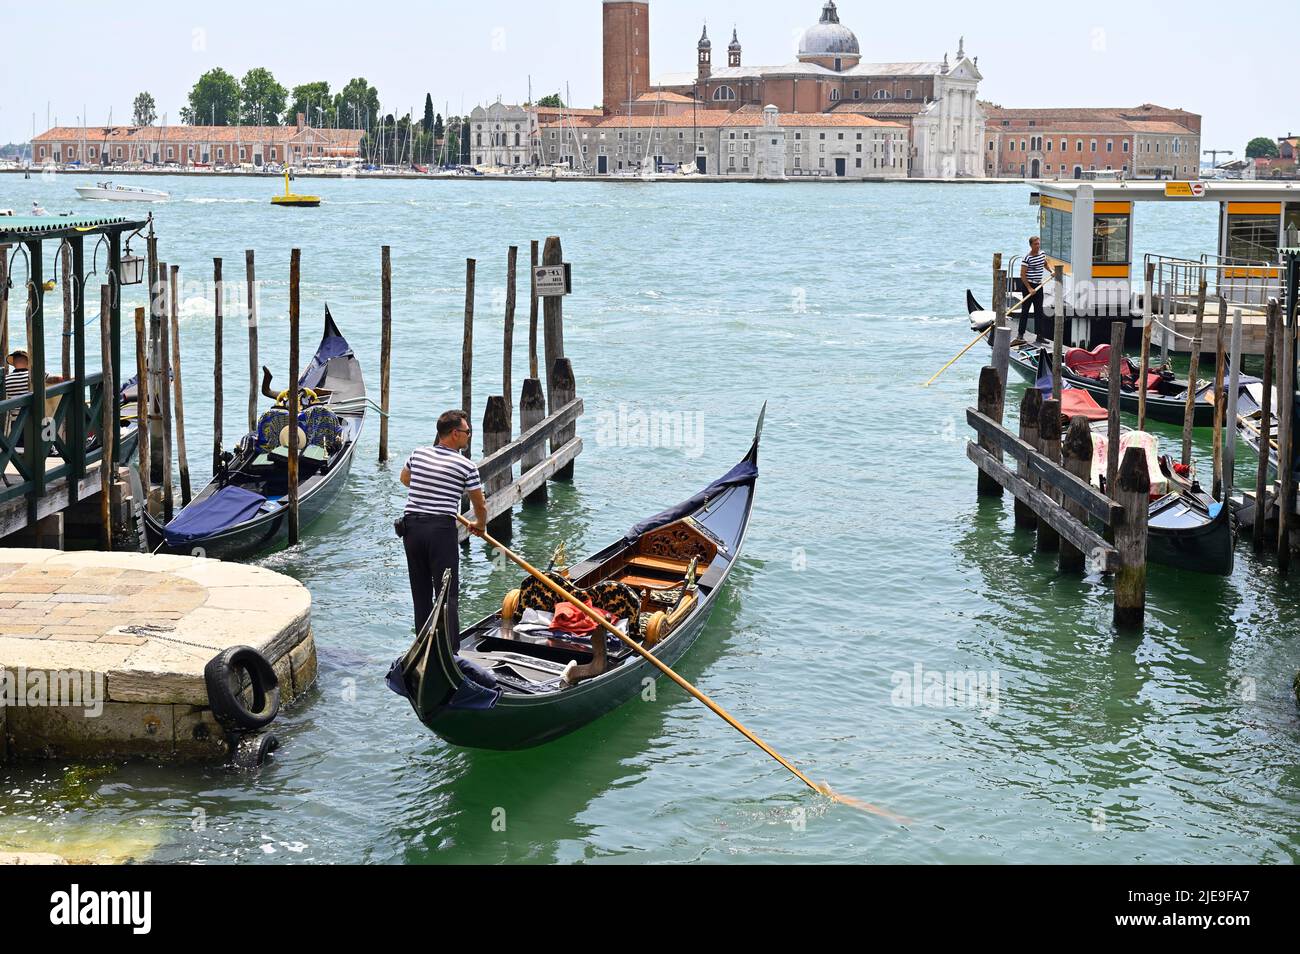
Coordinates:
869 560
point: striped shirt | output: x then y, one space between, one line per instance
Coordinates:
440 476
18 383
1035 266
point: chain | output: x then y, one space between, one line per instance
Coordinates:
150 631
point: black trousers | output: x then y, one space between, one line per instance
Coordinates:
431 550
1037 304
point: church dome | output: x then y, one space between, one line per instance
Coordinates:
828 37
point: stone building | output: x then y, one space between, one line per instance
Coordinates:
1143 142
748 143
503 135
936 100
106 146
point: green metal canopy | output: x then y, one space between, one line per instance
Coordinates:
20 228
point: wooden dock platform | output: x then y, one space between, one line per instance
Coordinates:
128 635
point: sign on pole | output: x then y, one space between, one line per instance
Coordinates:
1184 190
553 280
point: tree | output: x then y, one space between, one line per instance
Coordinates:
358 105
1261 147
438 128
145 111
553 101
314 101
427 122
214 100
261 99
464 142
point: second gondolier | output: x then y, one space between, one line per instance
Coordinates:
438 477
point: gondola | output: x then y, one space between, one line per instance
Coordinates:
244 508
510 685
1186 527
1166 398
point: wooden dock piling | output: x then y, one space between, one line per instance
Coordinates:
1031 413
532 411
1265 431
533 370
1133 494
250 278
1144 366
552 325
1076 459
467 346
218 336
496 435
1058 328
107 466
565 389
989 403
1001 331
1217 440
1113 407
66 352
295 256
385 345
1189 413
142 404
507 351
182 458
165 373
1285 351
1229 467
1049 443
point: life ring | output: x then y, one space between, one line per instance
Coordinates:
510 605
221 677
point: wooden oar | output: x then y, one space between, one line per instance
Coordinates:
979 336
821 789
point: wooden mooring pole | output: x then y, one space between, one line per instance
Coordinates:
1262 485
1031 413
250 277
507 355
565 389
1189 412
1058 328
532 411
218 294
66 351
533 371
107 465
553 325
1049 443
467 347
1229 467
160 337
1001 330
989 404
295 256
496 435
1133 494
385 345
1113 407
142 404
1144 367
1076 458
1217 440
182 458
1285 436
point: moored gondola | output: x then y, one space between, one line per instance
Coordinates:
244 508
511 681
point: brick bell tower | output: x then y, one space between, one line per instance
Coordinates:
626 40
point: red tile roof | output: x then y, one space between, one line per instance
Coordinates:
195 134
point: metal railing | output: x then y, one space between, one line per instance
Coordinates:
69 424
1247 285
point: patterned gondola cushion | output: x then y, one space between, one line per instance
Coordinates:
533 594
617 599
323 428
269 426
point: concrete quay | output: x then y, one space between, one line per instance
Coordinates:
102 654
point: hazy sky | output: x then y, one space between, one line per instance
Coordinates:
61 54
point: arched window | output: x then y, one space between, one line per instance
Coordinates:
723 94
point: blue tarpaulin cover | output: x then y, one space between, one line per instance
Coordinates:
225 508
743 473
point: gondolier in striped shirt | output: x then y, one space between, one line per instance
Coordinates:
438 477
18 381
1033 269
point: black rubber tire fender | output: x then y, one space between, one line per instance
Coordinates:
227 707
251 751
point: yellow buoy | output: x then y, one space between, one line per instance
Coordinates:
292 198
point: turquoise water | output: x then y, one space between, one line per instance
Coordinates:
868 555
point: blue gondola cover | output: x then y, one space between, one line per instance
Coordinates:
743 473
225 508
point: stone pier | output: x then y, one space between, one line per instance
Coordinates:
102 654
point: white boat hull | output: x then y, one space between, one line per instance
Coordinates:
122 195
